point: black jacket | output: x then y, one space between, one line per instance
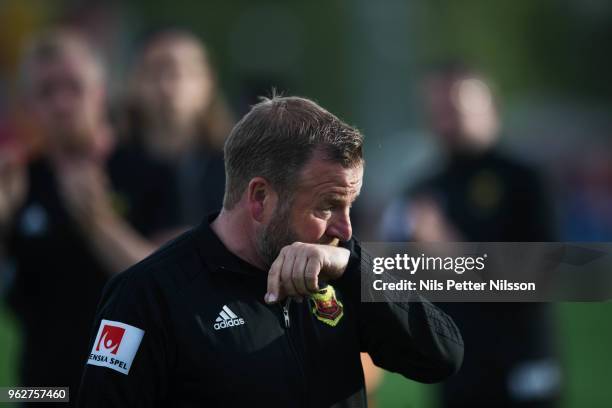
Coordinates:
57 268
210 340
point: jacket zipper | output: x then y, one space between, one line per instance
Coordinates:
285 310
286 313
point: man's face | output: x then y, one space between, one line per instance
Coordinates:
461 111
174 82
67 97
442 112
318 211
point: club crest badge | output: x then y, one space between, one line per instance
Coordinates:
325 306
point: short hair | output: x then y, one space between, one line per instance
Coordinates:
454 69
53 45
277 137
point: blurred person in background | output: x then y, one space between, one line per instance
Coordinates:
480 194
65 221
178 118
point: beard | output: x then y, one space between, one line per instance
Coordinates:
276 235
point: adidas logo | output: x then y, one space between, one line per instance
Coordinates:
227 318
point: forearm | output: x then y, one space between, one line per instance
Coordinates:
413 338
13 189
10 201
116 243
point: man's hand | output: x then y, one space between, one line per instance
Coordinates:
84 190
299 267
429 223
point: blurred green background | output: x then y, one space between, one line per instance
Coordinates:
550 60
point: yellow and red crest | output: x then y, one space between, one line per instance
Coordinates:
326 307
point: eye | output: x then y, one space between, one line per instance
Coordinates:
324 212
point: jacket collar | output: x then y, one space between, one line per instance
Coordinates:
217 257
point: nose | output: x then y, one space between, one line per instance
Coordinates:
167 86
62 104
340 227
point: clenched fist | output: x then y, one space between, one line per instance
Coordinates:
299 267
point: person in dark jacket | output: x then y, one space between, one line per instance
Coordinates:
260 304
74 219
482 194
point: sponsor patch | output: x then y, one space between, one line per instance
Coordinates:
326 307
115 346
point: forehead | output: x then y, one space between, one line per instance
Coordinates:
323 177
173 51
69 64
438 87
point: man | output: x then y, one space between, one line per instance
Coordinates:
260 304
60 225
481 194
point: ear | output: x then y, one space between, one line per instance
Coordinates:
261 198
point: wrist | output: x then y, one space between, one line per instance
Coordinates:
99 219
336 261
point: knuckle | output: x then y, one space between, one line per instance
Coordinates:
310 251
310 273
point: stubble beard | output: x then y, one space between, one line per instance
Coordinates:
276 235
